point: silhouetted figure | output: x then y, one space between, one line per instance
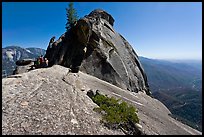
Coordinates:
46 63
52 40
41 60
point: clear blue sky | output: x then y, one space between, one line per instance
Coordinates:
155 29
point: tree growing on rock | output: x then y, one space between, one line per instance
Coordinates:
71 16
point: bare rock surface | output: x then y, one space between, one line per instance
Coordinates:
23 67
94 47
40 102
52 101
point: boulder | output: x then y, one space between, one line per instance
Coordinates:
22 69
23 62
23 66
94 47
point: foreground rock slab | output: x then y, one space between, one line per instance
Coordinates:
51 101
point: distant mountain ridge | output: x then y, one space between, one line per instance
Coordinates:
11 54
179 86
163 74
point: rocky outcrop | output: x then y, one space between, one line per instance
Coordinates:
23 66
50 101
24 62
94 47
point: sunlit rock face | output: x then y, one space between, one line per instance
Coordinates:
94 47
50 101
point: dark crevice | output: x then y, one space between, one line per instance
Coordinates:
109 27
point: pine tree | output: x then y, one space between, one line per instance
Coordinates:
71 16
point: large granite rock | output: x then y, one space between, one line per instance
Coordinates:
50 101
94 47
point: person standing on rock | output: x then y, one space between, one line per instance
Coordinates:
38 62
41 61
51 41
46 63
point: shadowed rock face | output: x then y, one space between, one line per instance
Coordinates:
94 47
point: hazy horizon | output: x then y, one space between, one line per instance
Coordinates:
167 59
157 30
174 59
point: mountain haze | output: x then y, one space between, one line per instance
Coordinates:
178 85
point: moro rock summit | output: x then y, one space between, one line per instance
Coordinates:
94 47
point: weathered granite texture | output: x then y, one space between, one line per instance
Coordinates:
94 47
51 101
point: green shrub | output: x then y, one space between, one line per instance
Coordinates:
115 114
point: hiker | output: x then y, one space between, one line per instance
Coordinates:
38 62
75 22
41 60
46 63
51 41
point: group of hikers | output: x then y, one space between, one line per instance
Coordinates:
41 62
